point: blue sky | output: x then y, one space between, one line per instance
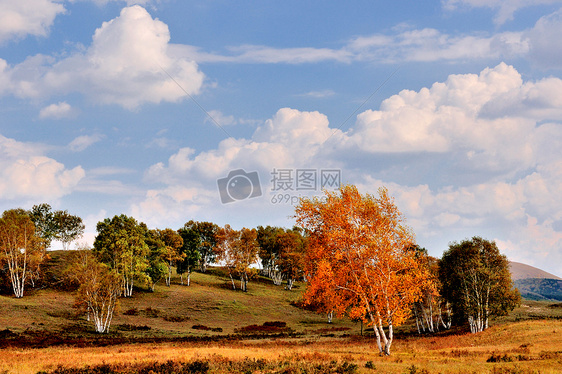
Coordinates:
140 107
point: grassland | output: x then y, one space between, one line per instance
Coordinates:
43 332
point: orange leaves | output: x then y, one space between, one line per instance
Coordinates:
360 259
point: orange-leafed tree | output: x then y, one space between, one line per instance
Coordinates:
361 258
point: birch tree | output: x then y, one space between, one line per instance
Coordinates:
99 289
208 241
477 282
120 243
67 227
190 253
21 250
361 254
238 250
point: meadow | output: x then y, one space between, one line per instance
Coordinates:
209 328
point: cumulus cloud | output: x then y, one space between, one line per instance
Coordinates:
57 111
504 163
31 17
25 173
127 64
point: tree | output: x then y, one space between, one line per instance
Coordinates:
477 282
45 228
20 249
292 247
67 227
208 234
58 225
360 255
120 243
238 250
190 253
429 309
99 288
269 252
173 243
157 268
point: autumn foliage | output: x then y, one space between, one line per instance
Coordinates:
361 260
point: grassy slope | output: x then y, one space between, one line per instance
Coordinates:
209 301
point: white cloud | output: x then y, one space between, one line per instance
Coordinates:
544 40
25 173
127 64
57 111
505 9
497 166
82 142
30 17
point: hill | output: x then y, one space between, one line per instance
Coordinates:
534 283
524 271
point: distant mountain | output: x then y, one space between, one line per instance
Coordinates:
535 284
523 271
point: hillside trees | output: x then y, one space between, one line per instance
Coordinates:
59 225
157 268
120 243
477 282
362 256
292 247
99 288
21 251
67 227
189 252
208 234
432 312
173 243
238 249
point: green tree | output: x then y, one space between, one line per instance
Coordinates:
477 282
190 253
67 227
267 238
208 234
120 243
45 228
20 249
156 269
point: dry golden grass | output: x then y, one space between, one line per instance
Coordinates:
532 347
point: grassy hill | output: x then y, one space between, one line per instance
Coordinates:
209 303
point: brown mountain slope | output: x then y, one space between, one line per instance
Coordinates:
523 271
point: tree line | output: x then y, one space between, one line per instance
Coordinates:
354 252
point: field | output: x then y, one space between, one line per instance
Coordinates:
208 327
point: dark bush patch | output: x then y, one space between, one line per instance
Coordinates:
152 313
127 327
131 312
206 328
267 327
176 318
499 358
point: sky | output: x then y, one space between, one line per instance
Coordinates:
230 111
